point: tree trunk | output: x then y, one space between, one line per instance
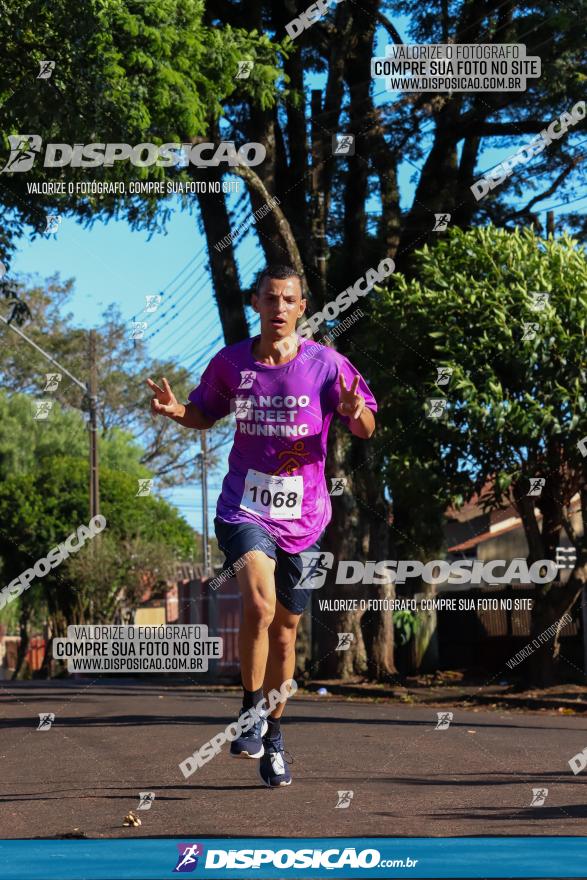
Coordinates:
23 625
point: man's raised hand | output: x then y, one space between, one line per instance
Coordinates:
163 401
351 404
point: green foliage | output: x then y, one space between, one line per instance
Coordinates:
406 624
516 405
168 450
127 71
143 538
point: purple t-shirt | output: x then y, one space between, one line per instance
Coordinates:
276 466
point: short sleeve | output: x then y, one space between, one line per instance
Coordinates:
332 392
212 396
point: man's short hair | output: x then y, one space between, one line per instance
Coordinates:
281 271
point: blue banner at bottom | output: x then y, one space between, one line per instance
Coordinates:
280 858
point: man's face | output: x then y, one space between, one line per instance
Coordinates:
280 304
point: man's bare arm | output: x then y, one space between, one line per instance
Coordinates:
364 426
190 416
165 403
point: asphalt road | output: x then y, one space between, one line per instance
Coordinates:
112 739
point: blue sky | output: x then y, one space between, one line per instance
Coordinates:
111 263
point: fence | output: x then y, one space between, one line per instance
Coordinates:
488 638
219 610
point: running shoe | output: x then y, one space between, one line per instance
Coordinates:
250 743
273 768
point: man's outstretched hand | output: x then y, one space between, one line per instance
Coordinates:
164 401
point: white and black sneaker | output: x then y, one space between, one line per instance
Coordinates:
273 766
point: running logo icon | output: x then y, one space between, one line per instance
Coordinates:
46 719
314 568
343 145
187 860
539 795
24 149
146 799
443 375
247 378
344 800
337 485
444 719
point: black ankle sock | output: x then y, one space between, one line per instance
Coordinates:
274 727
252 698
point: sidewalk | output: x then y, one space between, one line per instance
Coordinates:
451 688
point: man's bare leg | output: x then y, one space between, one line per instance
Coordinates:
281 660
256 582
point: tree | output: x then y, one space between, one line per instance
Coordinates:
516 400
40 508
324 200
167 451
125 72
323 220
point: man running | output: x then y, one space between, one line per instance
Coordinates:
274 503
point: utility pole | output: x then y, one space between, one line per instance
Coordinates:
204 477
317 202
93 428
91 391
550 223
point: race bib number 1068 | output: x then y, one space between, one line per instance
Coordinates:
275 497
